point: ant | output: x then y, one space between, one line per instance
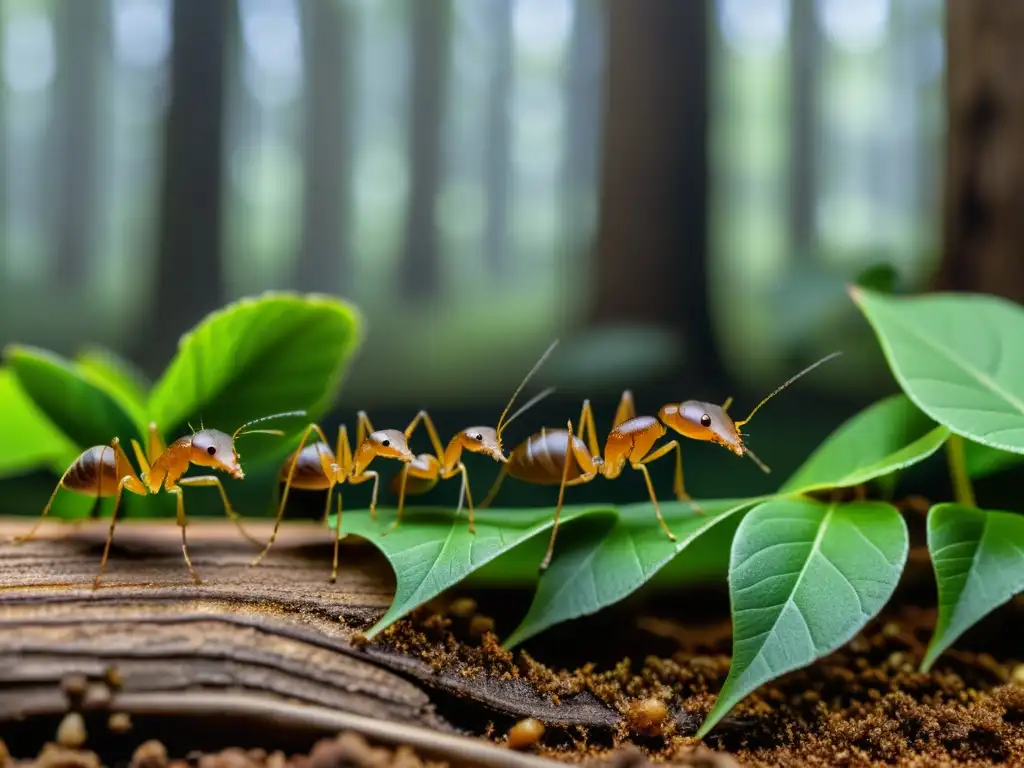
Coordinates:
316 467
104 470
559 456
427 469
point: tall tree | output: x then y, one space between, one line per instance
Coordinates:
984 225
421 262
325 258
189 279
498 134
81 36
652 239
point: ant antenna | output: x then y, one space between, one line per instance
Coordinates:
764 467
243 431
191 427
808 369
501 422
528 405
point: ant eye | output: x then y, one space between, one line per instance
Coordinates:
385 443
705 420
479 437
211 450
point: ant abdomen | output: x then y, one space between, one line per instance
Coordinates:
93 473
541 459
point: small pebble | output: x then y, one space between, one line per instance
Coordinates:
54 756
1017 676
462 607
71 731
74 687
525 733
647 716
150 754
114 678
481 625
119 722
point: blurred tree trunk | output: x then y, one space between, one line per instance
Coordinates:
497 161
805 69
80 31
984 196
652 241
420 276
325 258
583 112
189 280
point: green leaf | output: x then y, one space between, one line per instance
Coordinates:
880 277
978 556
274 353
433 549
78 406
983 461
120 379
958 357
30 439
593 568
890 435
804 578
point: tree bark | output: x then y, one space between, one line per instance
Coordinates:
80 48
189 278
280 633
497 162
984 228
325 258
652 240
430 22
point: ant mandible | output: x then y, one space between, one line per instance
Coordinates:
317 467
423 473
559 456
105 470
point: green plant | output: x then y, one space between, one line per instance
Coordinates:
277 352
808 566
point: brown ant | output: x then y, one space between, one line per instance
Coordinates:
104 470
559 456
317 467
423 473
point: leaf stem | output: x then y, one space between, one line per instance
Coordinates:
962 488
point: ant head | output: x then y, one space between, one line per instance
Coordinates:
216 449
390 444
704 421
483 440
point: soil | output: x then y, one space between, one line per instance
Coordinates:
348 750
864 705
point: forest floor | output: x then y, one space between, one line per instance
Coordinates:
633 682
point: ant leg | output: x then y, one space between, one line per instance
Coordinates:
155 445
561 498
343 453
654 500
465 493
363 428
677 484
435 440
495 487
401 497
337 531
626 409
287 486
232 515
110 532
366 475
183 524
587 426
